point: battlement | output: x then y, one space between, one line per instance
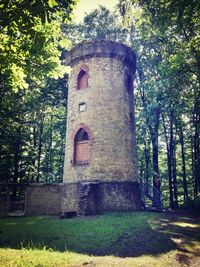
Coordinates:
102 49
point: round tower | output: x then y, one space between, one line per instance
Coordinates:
100 142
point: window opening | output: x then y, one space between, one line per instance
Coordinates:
82 80
81 148
82 107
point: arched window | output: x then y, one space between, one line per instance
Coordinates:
82 81
81 148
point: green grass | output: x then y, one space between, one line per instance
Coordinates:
115 239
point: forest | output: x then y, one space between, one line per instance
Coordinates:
35 37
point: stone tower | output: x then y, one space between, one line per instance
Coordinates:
100 172
100 148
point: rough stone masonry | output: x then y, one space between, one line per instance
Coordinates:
100 168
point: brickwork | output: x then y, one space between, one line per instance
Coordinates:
109 116
43 199
119 196
82 198
51 199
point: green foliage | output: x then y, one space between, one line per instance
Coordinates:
21 132
168 76
99 24
30 48
33 89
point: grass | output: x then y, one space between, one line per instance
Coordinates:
116 239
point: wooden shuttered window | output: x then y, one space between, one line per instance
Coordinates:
82 148
82 152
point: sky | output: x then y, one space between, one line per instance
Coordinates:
86 6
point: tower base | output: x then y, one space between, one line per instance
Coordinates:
82 198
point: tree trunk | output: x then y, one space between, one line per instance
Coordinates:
147 171
40 148
171 194
184 182
193 167
175 175
197 151
34 145
156 177
173 159
50 146
16 165
153 129
196 123
48 157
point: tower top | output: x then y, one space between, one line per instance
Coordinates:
102 49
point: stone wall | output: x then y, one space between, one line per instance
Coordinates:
96 198
43 199
120 196
82 198
50 199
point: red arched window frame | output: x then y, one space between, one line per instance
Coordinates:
82 79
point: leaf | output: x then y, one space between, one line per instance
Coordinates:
52 3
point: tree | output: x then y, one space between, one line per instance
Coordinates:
168 65
99 24
178 23
31 69
30 40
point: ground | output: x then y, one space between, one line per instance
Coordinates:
136 239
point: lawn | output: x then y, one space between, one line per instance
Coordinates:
114 239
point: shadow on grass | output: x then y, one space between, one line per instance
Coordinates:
119 234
